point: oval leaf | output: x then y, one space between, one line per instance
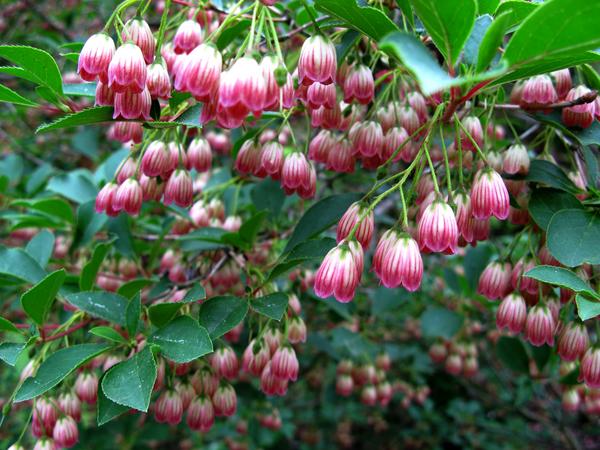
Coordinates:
220 314
559 276
273 305
103 305
182 340
574 237
37 301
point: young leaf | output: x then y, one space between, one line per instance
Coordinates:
56 367
272 305
492 40
559 276
36 302
130 382
366 19
87 278
100 304
7 325
320 216
482 24
182 340
448 22
556 30
41 247
220 314
574 237
38 63
16 263
10 352
108 333
9 96
87 116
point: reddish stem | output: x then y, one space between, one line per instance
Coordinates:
68 331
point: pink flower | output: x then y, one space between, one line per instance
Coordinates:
590 368
364 231
284 363
419 104
340 157
179 189
494 282
438 231
573 341
225 363
86 387
168 408
296 330
518 281
344 385
318 61
454 364
201 73
249 158
489 196
106 198
70 404
472 125
320 145
256 356
538 91
540 326
95 57
225 400
562 79
156 159
581 116
201 414
199 155
368 139
127 70
242 89
158 81
512 314
129 197
339 274
270 384
187 37
138 31
408 118
65 432
152 189
516 160
44 416
295 173
126 131
359 85
368 395
396 138
104 95
318 95
397 261
272 159
133 105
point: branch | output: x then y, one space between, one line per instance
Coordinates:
587 98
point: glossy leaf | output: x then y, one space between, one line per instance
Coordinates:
38 63
182 340
482 24
56 367
108 333
220 314
559 276
573 237
106 409
132 314
544 172
161 313
7 325
268 195
10 352
273 305
366 19
448 22
130 288
512 353
76 185
80 89
18 264
9 96
319 217
100 304
304 252
41 247
89 272
130 382
544 203
587 308
97 114
518 10
492 39
36 302
55 207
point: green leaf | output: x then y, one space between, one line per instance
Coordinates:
130 382
56 367
385 300
100 304
80 89
182 340
38 178
97 114
19 73
232 32
320 216
307 251
544 203
591 166
108 333
487 6
541 171
7 325
132 314
162 313
19 264
587 309
268 195
476 258
440 322
38 63
482 23
518 10
366 19
448 22
559 276
75 185
220 314
273 305
55 207
492 39
512 353
9 96
41 247
87 278
419 60
540 355
130 288
557 29
36 302
10 352
88 223
107 410
573 237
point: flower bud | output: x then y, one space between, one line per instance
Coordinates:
284 363
516 160
138 31
168 408
540 326
105 200
65 432
156 159
86 387
340 157
489 196
590 368
296 330
199 155
359 85
272 159
473 128
225 401
364 231
397 261
95 57
70 404
494 282
158 81
272 385
573 341
318 61
127 70
201 414
179 189
581 116
256 356
187 37
438 231
129 197
338 275
225 363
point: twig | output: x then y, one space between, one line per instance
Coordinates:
587 98
68 331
